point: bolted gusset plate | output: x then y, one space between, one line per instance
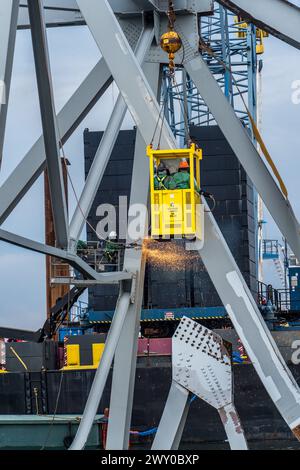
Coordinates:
201 363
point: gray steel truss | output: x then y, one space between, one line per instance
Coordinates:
249 324
69 118
66 12
51 133
141 100
279 17
128 75
215 254
8 27
242 145
71 258
126 354
104 150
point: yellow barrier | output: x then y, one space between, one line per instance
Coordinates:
73 357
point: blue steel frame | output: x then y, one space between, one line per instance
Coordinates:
220 32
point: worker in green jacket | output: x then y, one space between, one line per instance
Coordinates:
163 180
111 248
81 245
182 177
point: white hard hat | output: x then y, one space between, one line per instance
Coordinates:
112 235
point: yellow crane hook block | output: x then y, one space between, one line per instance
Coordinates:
175 199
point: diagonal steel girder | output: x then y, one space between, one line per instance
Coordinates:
241 144
279 17
173 419
69 118
215 253
105 148
118 62
123 380
125 354
71 258
9 10
49 124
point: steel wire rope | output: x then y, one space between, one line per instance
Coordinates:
120 245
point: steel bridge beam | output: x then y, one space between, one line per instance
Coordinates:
104 150
71 258
69 118
249 324
9 10
215 254
66 12
48 115
279 17
126 352
173 419
123 381
122 390
241 144
122 63
100 379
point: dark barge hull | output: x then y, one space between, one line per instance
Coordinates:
260 418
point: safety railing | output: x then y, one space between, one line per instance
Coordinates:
279 298
100 258
95 255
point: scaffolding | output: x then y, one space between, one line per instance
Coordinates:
233 43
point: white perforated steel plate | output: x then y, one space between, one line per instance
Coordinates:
201 363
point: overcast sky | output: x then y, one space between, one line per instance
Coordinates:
73 55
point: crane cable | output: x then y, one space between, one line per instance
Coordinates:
161 118
205 47
187 132
118 244
171 15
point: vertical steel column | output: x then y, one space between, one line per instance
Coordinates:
104 150
51 133
126 354
9 10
